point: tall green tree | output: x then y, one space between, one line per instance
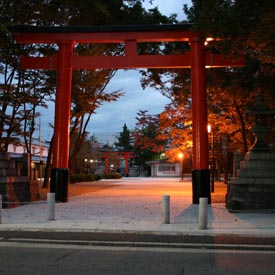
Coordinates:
124 140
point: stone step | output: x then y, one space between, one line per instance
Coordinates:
260 156
257 173
252 181
261 164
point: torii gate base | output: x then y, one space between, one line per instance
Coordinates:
200 185
59 184
130 36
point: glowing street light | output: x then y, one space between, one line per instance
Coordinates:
89 165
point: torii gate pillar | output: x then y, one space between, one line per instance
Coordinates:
61 139
126 155
200 171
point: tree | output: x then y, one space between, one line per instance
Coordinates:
88 87
147 146
247 27
176 130
231 91
22 93
87 157
88 93
124 140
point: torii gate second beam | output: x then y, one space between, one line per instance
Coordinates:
66 61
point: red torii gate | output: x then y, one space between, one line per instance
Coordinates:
106 155
65 61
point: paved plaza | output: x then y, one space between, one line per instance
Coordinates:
134 205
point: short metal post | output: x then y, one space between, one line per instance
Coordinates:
203 213
165 209
0 208
51 206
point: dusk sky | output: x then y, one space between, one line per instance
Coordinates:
110 117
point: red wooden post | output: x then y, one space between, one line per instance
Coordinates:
200 172
126 157
106 164
61 142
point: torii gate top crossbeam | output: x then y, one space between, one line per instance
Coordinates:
103 34
129 35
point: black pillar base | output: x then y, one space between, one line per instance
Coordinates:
59 184
201 185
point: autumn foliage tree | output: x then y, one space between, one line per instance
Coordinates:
147 146
88 93
176 130
88 86
246 28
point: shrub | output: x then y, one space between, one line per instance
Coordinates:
84 177
113 176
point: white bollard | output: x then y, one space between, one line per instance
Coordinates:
203 213
165 209
51 206
0 208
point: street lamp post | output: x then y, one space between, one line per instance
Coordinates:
210 130
89 165
85 166
181 164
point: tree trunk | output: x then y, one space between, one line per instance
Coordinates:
48 166
243 131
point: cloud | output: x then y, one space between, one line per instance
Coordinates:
174 6
111 117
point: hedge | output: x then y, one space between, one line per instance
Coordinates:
90 177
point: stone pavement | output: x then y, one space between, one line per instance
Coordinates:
133 205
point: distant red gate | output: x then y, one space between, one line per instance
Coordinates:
108 154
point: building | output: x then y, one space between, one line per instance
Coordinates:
162 168
39 155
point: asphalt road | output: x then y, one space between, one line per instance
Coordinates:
140 240
36 258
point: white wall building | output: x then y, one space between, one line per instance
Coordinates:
162 168
36 151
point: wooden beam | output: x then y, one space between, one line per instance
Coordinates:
102 37
130 61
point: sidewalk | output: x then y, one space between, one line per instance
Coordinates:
133 205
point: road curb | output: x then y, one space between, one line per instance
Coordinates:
204 232
200 246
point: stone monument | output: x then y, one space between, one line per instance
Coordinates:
16 187
254 188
